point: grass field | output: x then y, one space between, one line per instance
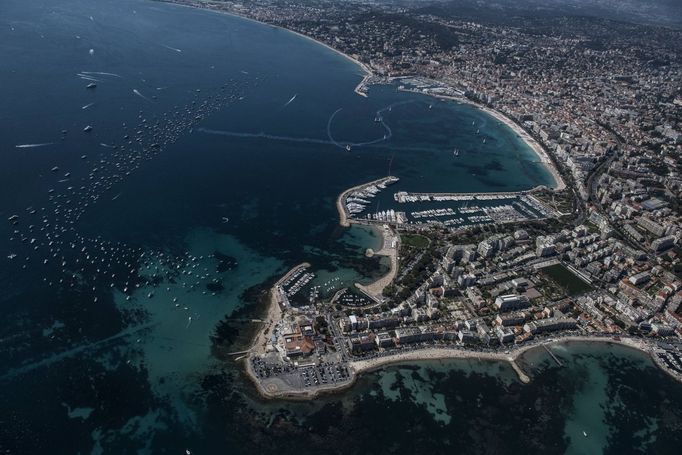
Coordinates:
414 240
566 279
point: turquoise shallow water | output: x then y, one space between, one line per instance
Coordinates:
142 253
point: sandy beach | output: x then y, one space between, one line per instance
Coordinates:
435 353
360 367
527 138
216 7
376 288
532 143
273 314
445 353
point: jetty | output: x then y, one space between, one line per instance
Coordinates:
342 205
404 196
556 359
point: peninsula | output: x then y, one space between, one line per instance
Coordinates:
489 276
517 301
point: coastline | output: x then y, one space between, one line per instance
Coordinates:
362 85
528 139
272 315
206 6
359 367
375 289
445 353
534 145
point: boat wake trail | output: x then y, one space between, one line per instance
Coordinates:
57 357
99 73
290 101
172 48
30 146
86 77
137 92
379 118
306 140
261 135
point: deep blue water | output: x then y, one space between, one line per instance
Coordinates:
198 184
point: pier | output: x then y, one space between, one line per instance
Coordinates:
523 377
290 273
404 196
239 352
556 359
245 320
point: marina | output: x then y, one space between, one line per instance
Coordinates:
454 210
356 199
473 209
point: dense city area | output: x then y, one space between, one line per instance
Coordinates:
599 258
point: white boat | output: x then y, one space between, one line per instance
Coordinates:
87 129
91 85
